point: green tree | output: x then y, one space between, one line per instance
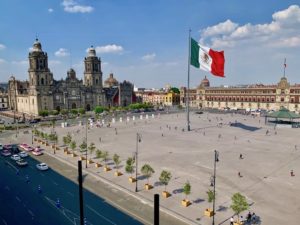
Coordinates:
74 111
81 111
105 156
117 161
129 168
165 178
64 112
147 171
239 203
73 145
44 113
99 109
187 189
53 122
54 112
210 196
92 148
67 139
83 146
98 154
175 90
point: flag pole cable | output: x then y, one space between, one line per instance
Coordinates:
187 102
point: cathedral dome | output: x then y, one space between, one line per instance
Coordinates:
37 47
111 81
91 52
205 82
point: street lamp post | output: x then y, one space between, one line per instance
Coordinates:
216 159
138 139
86 131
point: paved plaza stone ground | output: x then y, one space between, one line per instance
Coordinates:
265 168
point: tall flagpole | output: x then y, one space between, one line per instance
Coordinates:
284 66
187 102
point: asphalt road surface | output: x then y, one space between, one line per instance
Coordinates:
21 202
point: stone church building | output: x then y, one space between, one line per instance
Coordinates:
42 92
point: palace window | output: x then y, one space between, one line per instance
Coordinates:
282 99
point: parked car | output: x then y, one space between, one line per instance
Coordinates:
21 162
5 152
1 147
2 121
15 157
23 154
37 151
33 121
42 166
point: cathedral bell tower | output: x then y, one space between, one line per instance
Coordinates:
92 69
40 79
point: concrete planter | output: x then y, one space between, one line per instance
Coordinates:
209 212
82 158
47 144
53 146
131 179
34 139
166 194
148 186
97 165
106 169
57 148
90 161
185 202
117 174
238 223
74 155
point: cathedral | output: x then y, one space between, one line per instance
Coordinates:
42 92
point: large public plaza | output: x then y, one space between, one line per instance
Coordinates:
269 155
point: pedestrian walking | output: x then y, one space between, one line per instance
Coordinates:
100 139
239 174
292 173
254 218
231 221
241 156
249 217
295 147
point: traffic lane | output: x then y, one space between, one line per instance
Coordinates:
23 204
54 186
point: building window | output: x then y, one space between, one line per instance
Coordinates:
42 81
282 99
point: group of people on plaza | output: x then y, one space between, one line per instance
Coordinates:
251 218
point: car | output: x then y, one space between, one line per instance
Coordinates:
15 157
23 154
23 145
28 148
21 162
33 121
42 166
7 147
1 147
14 149
37 151
2 121
5 152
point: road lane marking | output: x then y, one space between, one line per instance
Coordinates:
4 222
19 200
30 212
70 194
94 211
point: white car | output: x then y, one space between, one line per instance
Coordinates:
42 166
1 147
15 157
23 154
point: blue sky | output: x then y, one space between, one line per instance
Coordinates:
146 42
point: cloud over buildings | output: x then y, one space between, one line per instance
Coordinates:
72 6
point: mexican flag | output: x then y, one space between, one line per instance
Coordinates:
207 59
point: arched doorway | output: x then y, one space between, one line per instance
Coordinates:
58 108
74 106
88 107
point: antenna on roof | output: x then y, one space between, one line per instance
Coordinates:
70 59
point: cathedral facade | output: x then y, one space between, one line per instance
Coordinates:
41 92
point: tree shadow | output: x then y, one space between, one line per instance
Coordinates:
158 183
198 201
143 177
222 208
245 127
177 191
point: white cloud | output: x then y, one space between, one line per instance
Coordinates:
72 6
2 61
221 28
149 57
109 49
283 30
62 52
2 46
50 10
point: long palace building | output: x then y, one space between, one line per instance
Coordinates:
247 97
